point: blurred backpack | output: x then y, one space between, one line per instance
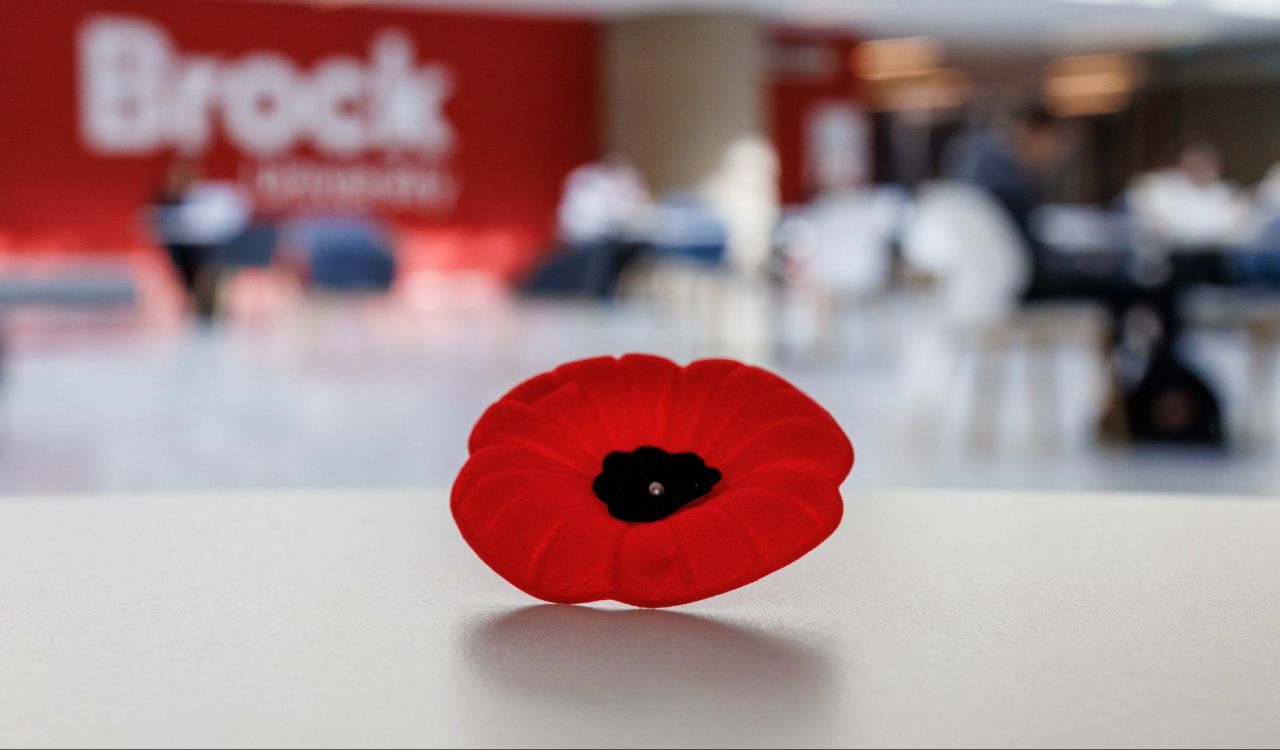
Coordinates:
1173 404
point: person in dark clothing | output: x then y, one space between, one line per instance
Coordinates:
1012 168
601 216
191 259
1167 401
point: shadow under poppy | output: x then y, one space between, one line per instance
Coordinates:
647 673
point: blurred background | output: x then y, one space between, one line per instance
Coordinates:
1008 243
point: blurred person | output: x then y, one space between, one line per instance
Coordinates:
743 192
1011 164
603 216
194 217
170 195
602 200
1190 204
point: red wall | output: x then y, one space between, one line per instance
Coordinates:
522 108
809 69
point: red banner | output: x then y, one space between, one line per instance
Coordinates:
460 128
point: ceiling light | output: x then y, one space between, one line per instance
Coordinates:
1092 84
883 59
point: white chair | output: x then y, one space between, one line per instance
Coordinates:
850 236
1255 317
837 254
687 278
960 236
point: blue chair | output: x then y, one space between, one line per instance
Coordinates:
685 228
345 254
255 247
1257 263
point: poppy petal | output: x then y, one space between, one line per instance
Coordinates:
513 525
535 387
797 443
500 460
689 398
602 384
536 428
651 571
802 495
650 384
724 555
770 407
723 402
783 526
578 564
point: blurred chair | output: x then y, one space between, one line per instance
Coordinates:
255 247
962 237
91 287
685 274
252 285
1254 315
837 253
685 229
86 289
564 273
343 254
348 266
586 269
1251 306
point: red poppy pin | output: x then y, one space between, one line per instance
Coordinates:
651 484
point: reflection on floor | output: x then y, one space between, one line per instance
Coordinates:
355 393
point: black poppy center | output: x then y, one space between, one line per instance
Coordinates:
649 484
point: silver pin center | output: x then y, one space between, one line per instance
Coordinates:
656 488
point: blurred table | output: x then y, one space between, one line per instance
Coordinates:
360 618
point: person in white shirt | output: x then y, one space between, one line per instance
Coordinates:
193 218
602 200
603 216
1190 204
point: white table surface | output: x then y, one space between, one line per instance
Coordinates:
361 618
